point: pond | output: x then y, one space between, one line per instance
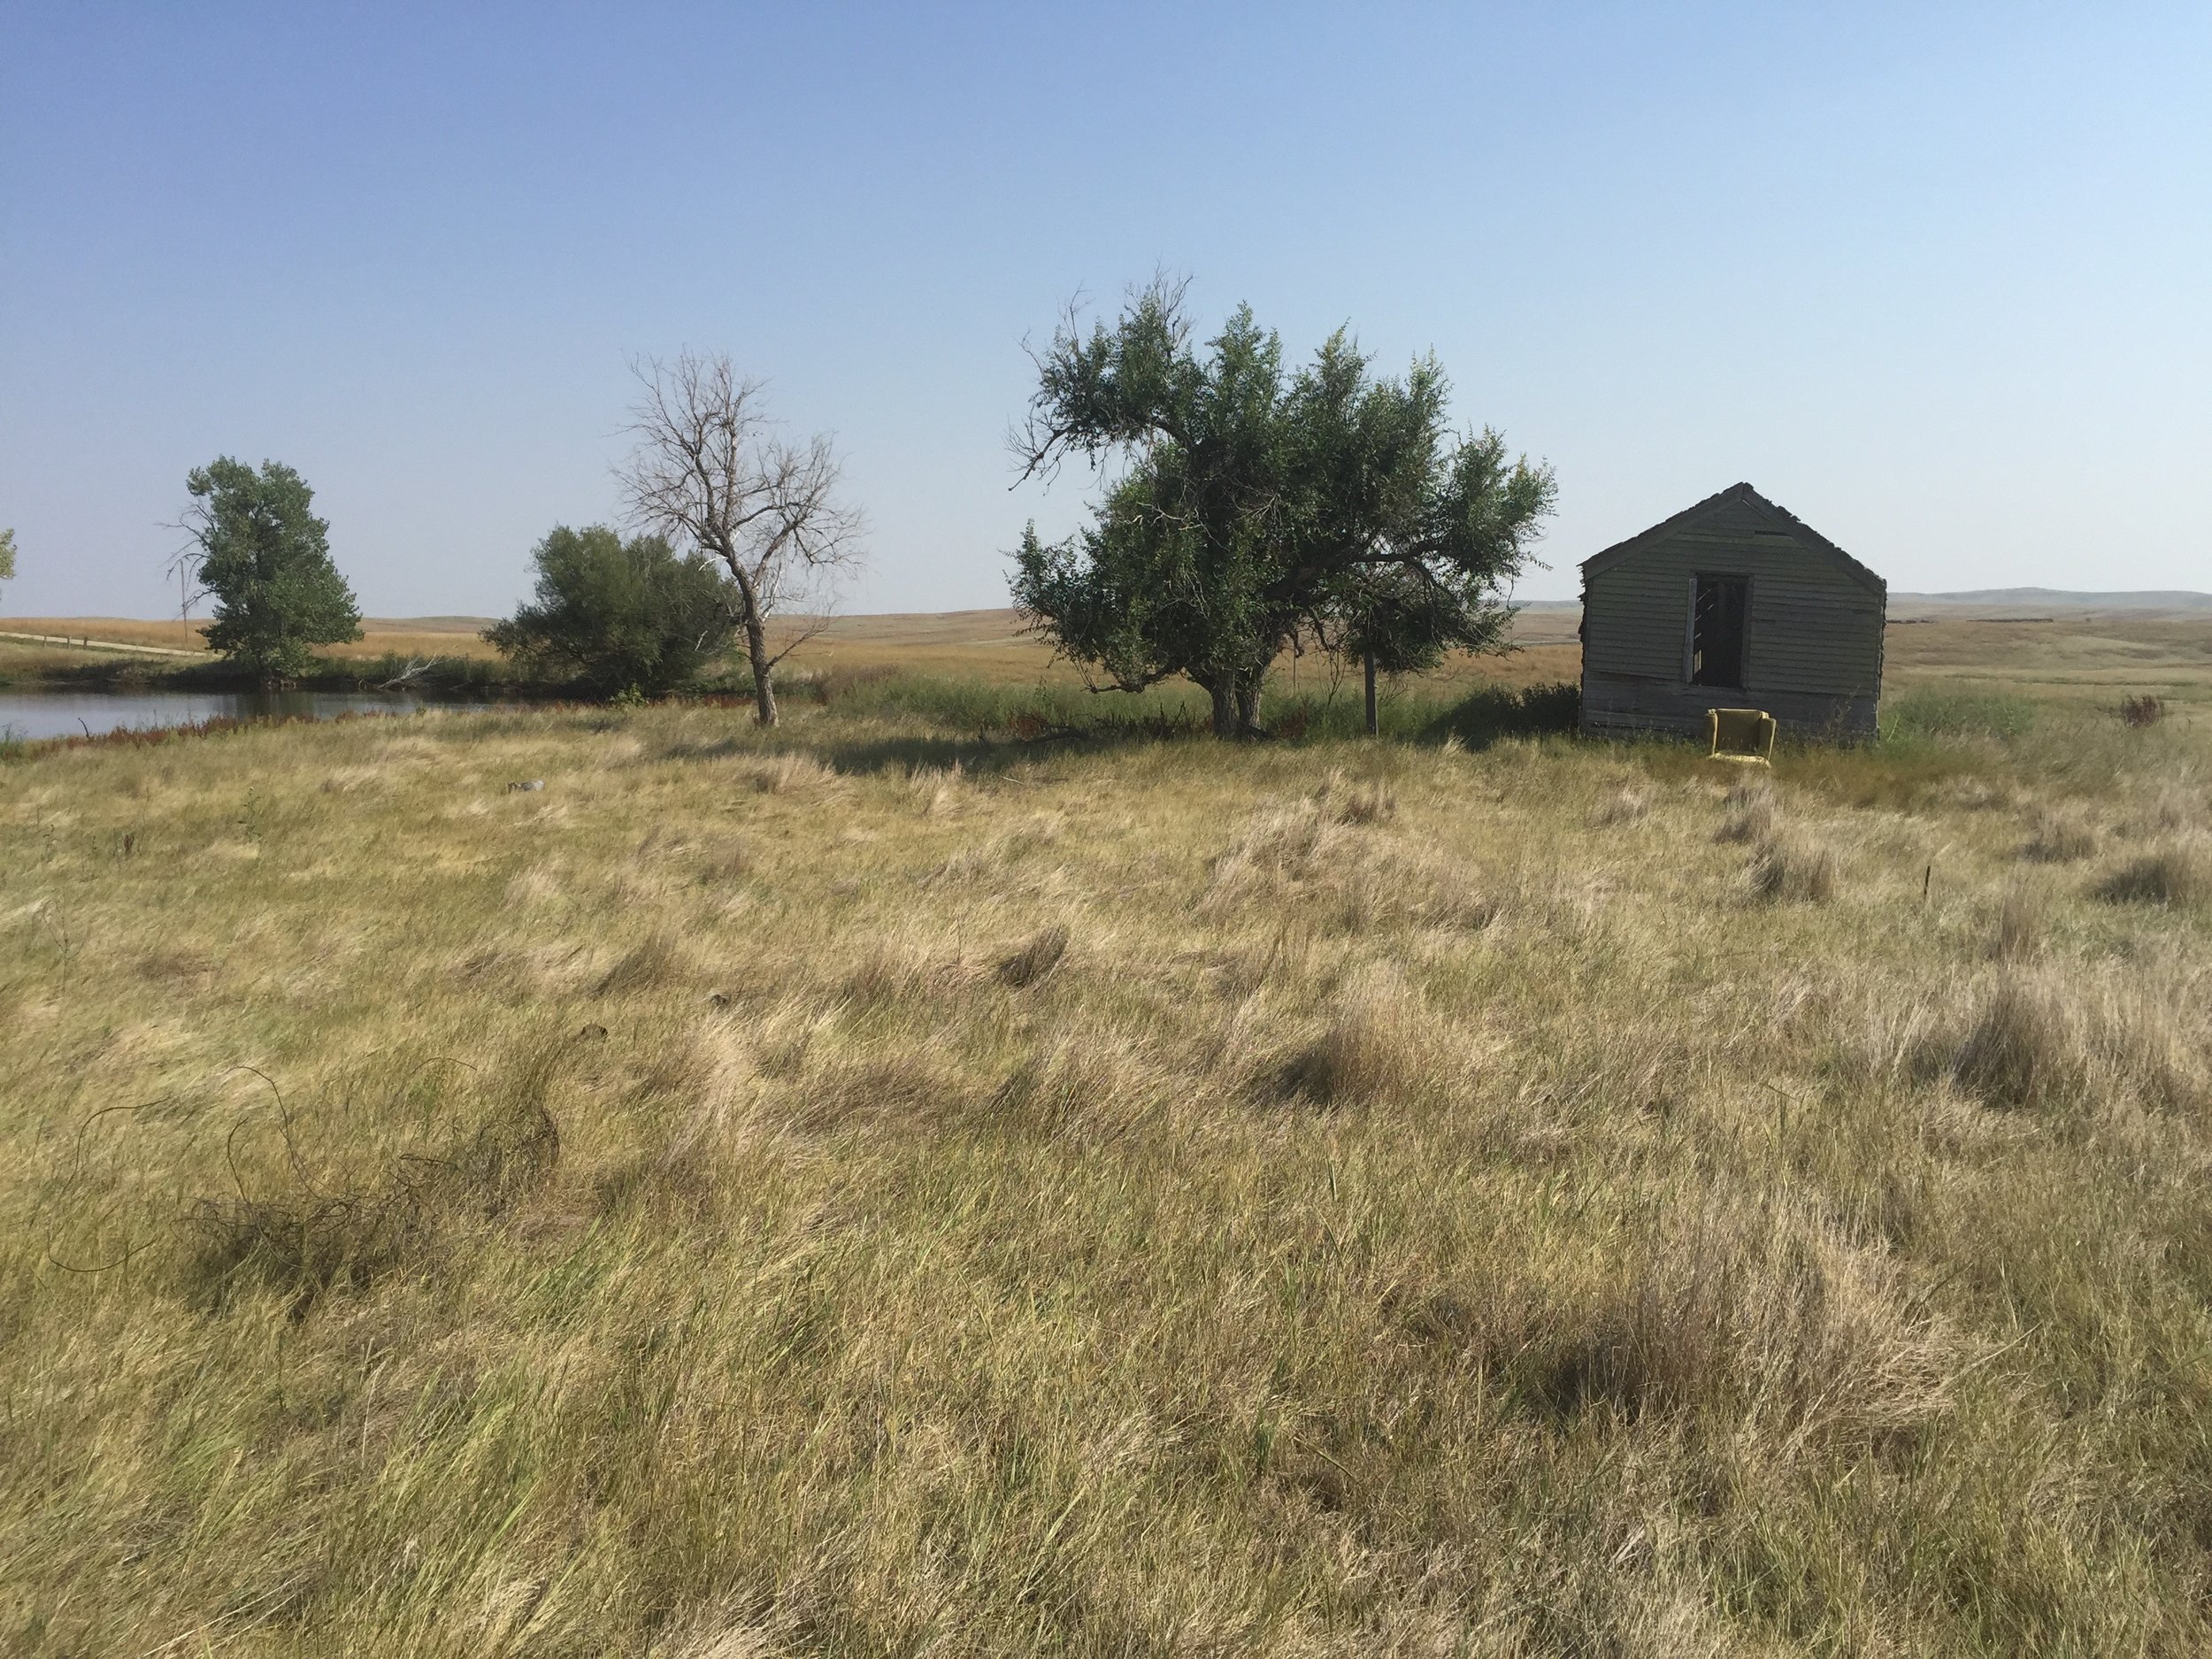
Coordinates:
28 716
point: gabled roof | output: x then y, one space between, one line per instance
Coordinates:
1788 523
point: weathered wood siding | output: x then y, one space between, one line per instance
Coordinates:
1812 645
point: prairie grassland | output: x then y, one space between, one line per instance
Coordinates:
867 1190
406 636
986 646
994 646
2081 656
2094 657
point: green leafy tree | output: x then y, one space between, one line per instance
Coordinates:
1251 509
620 614
7 556
258 548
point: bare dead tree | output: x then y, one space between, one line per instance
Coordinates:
185 563
713 471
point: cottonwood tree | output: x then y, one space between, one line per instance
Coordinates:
1249 508
258 546
7 556
713 471
620 614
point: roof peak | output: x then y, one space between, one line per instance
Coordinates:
1740 491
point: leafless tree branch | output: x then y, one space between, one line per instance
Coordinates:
712 469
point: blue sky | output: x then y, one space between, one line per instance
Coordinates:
1937 278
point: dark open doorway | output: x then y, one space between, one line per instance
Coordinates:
1716 627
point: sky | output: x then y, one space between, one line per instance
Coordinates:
1938 277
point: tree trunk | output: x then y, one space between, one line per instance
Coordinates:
1374 723
756 649
1225 707
1248 708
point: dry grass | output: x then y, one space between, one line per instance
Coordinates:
1377 1044
406 636
1793 867
2025 1046
2022 919
996 646
2060 835
885 1193
1754 811
2091 661
2179 874
1037 958
1623 806
2041 1039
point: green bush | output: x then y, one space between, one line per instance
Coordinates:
617 615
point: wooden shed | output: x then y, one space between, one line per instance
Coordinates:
1733 603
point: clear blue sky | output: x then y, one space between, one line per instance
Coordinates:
1938 277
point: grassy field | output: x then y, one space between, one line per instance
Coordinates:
2079 656
381 636
887 1187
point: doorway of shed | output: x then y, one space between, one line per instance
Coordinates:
1716 627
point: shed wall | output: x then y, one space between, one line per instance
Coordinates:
1812 648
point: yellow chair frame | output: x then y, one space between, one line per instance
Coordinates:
1743 737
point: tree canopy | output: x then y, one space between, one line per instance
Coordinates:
619 613
1249 509
261 551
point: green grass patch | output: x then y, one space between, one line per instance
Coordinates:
1956 714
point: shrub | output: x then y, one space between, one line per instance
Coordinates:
618 615
2141 711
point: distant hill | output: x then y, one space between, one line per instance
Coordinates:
2062 599
2038 599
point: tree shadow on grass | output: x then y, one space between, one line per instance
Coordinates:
976 753
1013 731
987 752
1494 713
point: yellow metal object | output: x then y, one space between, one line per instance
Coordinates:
1745 736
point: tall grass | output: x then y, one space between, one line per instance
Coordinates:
1923 713
873 1188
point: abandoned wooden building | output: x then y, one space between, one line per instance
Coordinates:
1733 603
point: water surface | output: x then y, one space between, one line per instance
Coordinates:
28 716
